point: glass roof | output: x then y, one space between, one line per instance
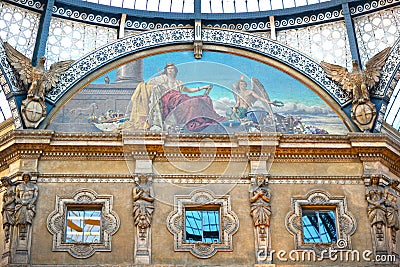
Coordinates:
4 107
393 111
207 6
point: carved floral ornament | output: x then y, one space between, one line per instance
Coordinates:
318 199
229 223
56 223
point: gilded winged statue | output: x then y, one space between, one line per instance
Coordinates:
358 82
37 79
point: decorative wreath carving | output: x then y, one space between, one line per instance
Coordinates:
176 223
56 223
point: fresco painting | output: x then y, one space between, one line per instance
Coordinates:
220 93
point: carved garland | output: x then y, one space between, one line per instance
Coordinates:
176 223
56 223
346 224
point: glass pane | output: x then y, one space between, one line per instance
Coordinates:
188 6
265 5
4 107
193 226
216 7
277 4
288 3
177 6
141 4
252 5
202 226
165 6
229 6
205 6
327 226
319 226
210 226
83 226
241 6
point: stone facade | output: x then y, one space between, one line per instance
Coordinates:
63 164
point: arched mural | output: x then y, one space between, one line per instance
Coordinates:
219 90
164 40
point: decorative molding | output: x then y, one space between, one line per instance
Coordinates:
282 22
31 4
57 219
371 6
144 25
76 14
176 223
196 179
345 221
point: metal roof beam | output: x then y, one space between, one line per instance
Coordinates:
355 54
43 32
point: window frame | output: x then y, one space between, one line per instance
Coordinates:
320 209
83 199
319 199
198 199
83 208
202 209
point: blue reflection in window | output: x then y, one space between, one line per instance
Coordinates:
202 226
319 226
83 226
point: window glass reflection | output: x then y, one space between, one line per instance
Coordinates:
319 226
83 226
202 226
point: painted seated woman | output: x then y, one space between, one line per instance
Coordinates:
169 107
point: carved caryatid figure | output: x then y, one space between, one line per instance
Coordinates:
25 199
359 83
392 210
8 206
375 196
143 202
260 208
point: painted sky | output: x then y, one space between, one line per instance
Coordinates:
223 70
212 68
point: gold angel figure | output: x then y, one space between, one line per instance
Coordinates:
37 80
358 82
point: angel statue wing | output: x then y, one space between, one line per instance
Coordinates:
338 74
20 63
374 66
259 89
52 76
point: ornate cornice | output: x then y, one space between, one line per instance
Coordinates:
350 148
197 179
